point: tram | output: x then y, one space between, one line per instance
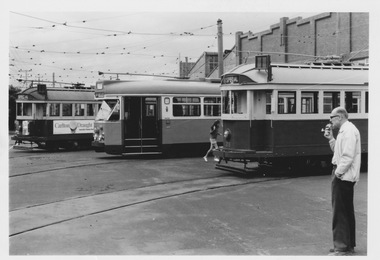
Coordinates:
54 118
168 117
273 113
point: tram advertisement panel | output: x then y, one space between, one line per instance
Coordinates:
73 127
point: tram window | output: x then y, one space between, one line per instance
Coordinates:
91 109
115 114
366 102
234 102
331 100
211 106
268 106
150 110
109 110
40 110
353 101
309 102
27 109
189 106
54 109
79 109
286 102
19 109
239 102
226 101
67 109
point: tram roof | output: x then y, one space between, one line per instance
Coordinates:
305 74
58 94
159 87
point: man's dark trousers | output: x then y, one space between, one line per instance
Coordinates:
343 224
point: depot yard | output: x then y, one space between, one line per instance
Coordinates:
86 203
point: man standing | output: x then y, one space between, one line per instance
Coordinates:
346 171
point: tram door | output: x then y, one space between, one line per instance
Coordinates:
141 125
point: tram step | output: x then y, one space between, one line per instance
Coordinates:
141 142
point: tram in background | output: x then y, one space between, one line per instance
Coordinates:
273 113
54 118
170 117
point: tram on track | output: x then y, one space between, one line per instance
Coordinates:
54 118
273 113
169 117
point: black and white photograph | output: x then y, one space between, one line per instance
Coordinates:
189 129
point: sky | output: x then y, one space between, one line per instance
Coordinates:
76 45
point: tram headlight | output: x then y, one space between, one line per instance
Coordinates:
227 135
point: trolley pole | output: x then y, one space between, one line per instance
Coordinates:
220 48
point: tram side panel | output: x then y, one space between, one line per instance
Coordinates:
114 138
186 136
250 135
285 138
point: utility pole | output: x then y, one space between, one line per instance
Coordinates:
220 49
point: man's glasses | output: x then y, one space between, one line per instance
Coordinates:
331 117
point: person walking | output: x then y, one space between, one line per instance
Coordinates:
214 132
346 171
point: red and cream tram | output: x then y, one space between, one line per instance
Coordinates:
273 113
155 116
54 118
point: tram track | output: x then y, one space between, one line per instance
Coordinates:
80 164
36 217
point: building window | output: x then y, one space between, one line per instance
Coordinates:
353 101
366 102
186 106
286 102
331 100
309 102
211 106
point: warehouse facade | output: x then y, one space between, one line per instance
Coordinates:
341 37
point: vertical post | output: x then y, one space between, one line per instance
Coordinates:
238 47
53 79
220 48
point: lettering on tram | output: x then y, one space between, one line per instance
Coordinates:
272 114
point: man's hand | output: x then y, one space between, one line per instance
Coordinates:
328 132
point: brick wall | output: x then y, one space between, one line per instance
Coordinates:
298 40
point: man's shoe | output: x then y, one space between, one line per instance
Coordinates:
350 250
205 158
340 253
